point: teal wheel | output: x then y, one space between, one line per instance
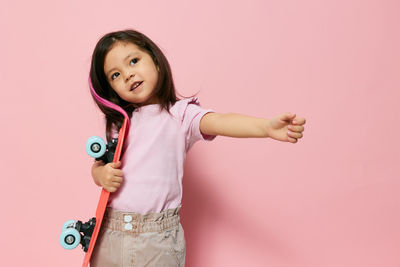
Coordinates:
70 238
95 147
68 224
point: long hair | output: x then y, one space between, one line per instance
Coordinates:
164 90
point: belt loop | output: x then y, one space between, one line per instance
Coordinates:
160 227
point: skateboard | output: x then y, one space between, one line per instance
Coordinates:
77 232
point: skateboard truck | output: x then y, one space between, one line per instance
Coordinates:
97 148
87 230
77 232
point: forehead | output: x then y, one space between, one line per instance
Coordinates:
118 53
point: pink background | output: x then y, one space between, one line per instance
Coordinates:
332 199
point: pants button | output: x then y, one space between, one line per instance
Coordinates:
127 218
128 226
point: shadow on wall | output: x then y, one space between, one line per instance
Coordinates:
203 210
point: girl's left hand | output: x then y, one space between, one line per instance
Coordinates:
286 128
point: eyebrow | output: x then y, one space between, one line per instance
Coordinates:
131 54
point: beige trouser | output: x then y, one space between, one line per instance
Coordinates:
133 239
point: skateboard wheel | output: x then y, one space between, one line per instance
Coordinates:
70 238
95 147
68 223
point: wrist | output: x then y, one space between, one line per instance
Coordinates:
266 126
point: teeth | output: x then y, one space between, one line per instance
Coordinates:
136 85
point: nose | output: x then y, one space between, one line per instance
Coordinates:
128 75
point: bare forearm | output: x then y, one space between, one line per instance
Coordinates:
96 168
235 125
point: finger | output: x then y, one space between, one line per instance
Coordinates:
115 185
287 116
113 179
110 189
113 189
117 179
118 172
116 164
295 134
299 121
294 128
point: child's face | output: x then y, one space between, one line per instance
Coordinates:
126 64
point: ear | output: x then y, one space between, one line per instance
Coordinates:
158 69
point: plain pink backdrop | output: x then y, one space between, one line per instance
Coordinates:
332 199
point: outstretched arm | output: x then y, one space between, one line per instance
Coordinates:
282 127
233 125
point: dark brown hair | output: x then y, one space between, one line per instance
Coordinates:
165 88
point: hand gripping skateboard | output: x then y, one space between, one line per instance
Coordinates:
76 232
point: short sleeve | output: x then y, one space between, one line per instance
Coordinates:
191 113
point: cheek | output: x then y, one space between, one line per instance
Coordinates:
154 76
117 89
122 95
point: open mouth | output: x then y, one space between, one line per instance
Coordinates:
136 85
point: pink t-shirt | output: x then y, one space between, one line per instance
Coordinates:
155 153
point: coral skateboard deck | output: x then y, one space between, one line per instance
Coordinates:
101 206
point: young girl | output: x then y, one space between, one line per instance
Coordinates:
142 226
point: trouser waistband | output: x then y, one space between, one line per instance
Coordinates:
141 223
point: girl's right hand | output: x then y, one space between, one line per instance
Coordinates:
109 176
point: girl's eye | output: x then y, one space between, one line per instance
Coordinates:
112 76
133 60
